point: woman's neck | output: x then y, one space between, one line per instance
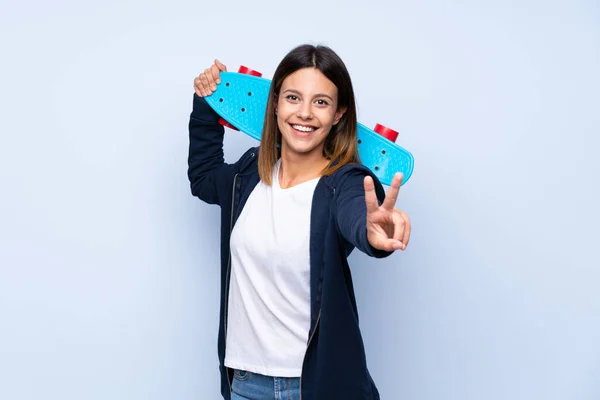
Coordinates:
298 168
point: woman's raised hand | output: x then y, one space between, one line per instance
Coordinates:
206 83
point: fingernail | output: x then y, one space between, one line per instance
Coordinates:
218 81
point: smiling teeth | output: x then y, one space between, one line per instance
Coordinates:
303 128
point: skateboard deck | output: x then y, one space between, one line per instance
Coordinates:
241 101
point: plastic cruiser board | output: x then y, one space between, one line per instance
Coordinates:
241 101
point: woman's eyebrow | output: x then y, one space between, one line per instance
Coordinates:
316 95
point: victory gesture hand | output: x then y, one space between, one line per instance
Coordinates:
387 227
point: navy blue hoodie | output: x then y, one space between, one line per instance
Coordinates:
334 365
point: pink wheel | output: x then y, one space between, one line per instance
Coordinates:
248 71
227 124
386 132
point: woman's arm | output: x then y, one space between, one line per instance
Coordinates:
207 170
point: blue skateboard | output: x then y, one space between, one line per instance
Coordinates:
241 101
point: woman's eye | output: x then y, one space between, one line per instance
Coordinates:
292 97
322 102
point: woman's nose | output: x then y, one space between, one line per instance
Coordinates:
305 111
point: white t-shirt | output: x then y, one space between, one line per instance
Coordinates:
269 294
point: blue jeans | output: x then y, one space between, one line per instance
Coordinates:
251 386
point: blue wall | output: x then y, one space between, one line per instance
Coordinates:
109 268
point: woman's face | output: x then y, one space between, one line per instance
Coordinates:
307 108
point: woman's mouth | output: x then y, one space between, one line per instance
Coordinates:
303 130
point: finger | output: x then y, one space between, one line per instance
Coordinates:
205 85
399 228
392 194
388 245
221 66
197 87
200 86
216 75
407 228
399 225
370 197
209 77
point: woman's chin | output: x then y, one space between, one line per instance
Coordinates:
299 147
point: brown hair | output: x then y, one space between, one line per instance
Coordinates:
340 146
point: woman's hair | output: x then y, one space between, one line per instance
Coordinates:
340 146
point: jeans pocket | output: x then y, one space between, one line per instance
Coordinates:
240 375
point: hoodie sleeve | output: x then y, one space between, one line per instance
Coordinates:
207 170
351 211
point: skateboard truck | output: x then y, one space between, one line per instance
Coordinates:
242 70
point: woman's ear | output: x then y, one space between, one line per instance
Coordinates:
339 114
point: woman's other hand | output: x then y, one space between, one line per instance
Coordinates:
206 83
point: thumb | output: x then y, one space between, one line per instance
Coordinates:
220 65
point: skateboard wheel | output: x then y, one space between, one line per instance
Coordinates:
248 71
227 124
386 132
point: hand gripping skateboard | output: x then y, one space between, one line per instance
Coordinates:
241 101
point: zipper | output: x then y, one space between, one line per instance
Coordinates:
311 335
227 275
307 346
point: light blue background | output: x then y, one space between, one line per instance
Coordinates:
109 267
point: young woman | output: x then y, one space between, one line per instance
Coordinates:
292 210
